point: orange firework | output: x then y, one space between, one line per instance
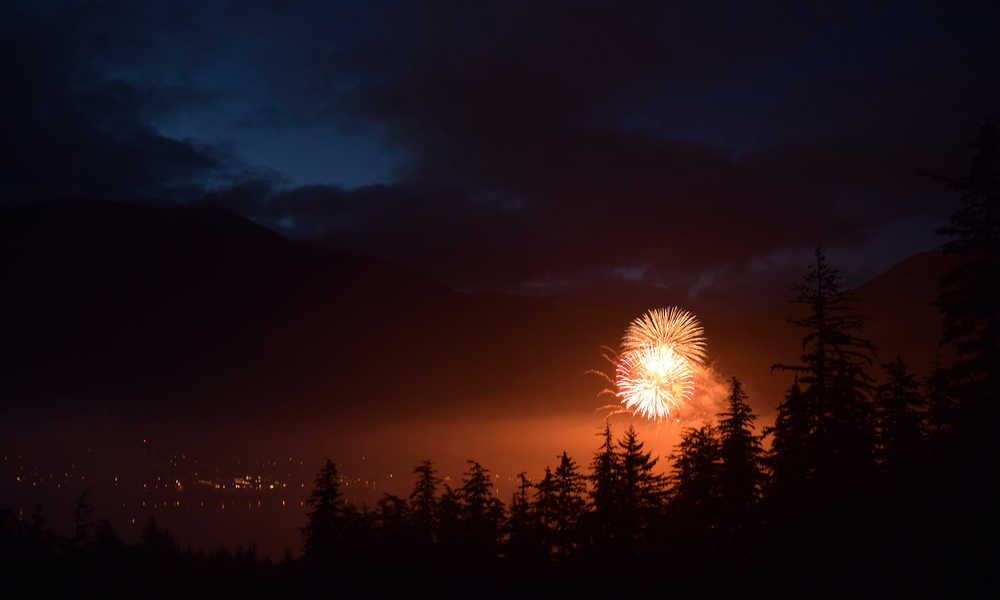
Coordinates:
663 352
655 371
653 380
672 327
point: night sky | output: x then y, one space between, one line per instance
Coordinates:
523 147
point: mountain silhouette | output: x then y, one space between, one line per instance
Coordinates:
193 313
124 307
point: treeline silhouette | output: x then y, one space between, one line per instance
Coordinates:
94 561
870 476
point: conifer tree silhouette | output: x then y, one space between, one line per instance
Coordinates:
832 471
423 502
392 526
834 367
545 508
448 520
899 414
155 541
520 504
903 461
107 542
790 458
39 539
605 475
942 407
482 512
970 297
83 520
392 512
568 489
326 521
523 541
640 493
741 472
695 473
964 398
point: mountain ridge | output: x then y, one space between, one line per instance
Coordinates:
196 313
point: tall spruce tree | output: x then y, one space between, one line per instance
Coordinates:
83 520
640 492
423 502
605 479
741 471
448 519
969 301
569 488
695 477
546 509
157 542
325 530
834 368
902 455
969 298
107 543
790 460
900 416
942 406
522 526
392 525
482 512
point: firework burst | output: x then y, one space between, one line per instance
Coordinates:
653 380
672 327
655 372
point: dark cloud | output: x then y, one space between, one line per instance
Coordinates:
74 131
525 145
678 216
526 168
